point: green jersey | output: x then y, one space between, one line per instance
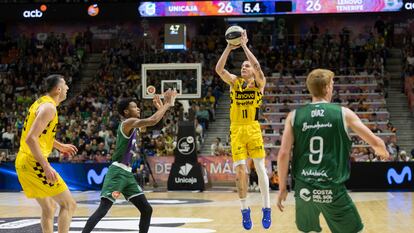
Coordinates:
322 145
124 146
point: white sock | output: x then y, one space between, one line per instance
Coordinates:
263 181
243 203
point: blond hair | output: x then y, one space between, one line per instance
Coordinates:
318 81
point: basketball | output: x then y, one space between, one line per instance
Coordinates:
233 35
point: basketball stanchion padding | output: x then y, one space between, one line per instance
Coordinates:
186 171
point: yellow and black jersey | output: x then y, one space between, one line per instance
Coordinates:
47 137
246 99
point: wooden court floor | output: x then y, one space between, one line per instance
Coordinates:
215 211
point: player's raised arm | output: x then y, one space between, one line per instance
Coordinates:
259 76
169 99
283 160
223 73
353 121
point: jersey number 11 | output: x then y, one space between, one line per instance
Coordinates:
244 113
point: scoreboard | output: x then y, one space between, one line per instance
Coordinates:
268 7
135 10
175 36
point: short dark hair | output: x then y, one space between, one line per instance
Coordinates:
123 105
52 81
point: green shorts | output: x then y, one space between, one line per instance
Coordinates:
334 203
118 180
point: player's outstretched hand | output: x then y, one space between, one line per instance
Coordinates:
157 102
280 198
244 38
169 97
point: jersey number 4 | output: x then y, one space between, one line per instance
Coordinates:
316 156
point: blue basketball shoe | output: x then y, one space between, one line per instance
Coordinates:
247 222
267 218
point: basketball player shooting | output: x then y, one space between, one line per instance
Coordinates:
245 133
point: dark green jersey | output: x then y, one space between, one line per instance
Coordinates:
322 145
124 146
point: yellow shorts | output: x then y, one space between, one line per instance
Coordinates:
33 180
246 141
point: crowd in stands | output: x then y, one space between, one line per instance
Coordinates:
343 53
24 62
90 119
408 53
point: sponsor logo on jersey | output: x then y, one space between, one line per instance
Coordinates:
315 126
322 195
243 103
314 173
305 194
245 95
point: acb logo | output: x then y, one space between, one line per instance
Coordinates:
35 13
409 6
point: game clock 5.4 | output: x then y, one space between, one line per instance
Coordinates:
254 7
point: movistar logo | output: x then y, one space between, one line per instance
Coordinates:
398 178
95 177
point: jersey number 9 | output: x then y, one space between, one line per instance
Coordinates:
318 153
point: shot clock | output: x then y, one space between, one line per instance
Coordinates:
175 36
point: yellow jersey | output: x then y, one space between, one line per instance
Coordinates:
47 138
245 102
